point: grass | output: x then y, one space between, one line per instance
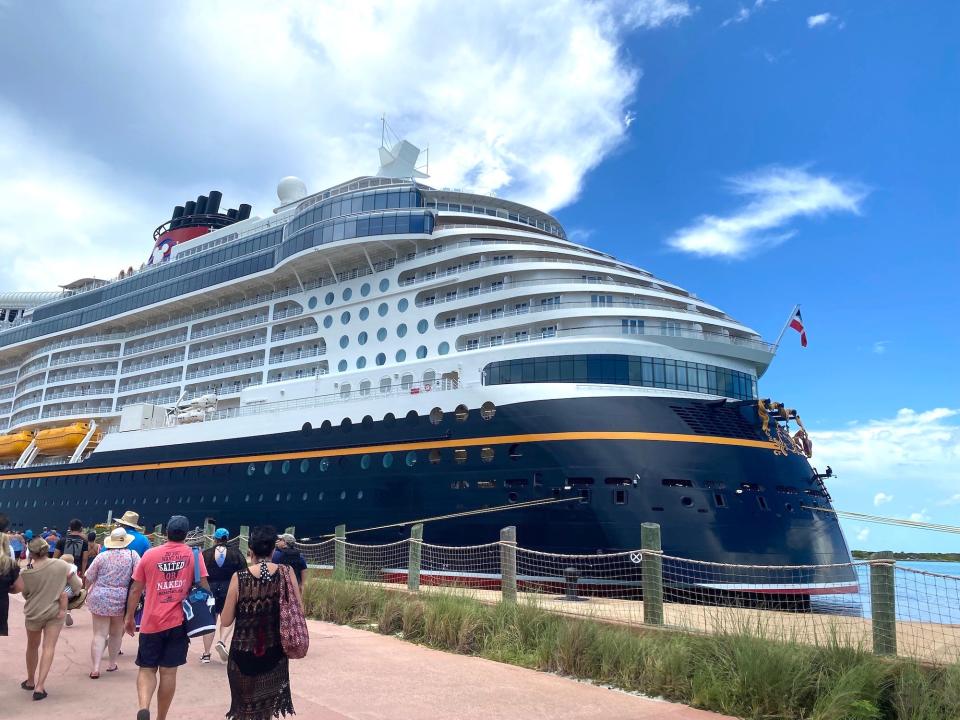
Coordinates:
736 673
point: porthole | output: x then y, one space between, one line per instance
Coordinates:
251 469
488 410
362 338
303 497
461 413
306 428
345 317
260 497
212 500
367 422
381 359
515 452
382 309
411 459
285 468
443 348
512 497
277 498
486 454
328 298
342 366
788 507
324 464
246 498
320 496
389 420
384 285
403 305
304 466
436 416
347 293
388 460
686 501
382 334
422 352
365 289
434 457
312 302
401 355
460 456
289 495
267 468
413 417
344 341
422 326
361 362
364 313
326 426
226 499
402 330
343 494
346 424
365 462
328 321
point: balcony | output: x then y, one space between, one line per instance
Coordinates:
228 327
79 393
166 342
224 369
158 362
240 345
291 334
72 377
291 357
153 382
74 359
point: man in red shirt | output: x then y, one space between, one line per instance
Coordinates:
165 574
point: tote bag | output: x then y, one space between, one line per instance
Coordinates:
294 637
196 608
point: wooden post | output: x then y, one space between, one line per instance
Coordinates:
340 549
244 540
292 530
508 564
208 530
652 574
413 563
157 532
883 603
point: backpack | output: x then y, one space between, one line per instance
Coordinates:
73 545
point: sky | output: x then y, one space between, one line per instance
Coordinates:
761 153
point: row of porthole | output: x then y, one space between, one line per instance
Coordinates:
381 358
345 316
461 413
348 293
181 500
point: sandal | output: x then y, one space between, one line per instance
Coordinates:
25 686
113 669
94 675
39 695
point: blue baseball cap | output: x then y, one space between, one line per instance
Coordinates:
28 534
221 534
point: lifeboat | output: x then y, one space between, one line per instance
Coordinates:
13 445
63 440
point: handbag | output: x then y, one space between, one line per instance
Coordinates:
196 608
294 636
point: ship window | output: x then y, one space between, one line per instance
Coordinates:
460 456
361 363
434 457
246 498
346 424
403 305
328 299
401 330
347 293
345 317
443 348
343 494
411 458
486 454
488 410
686 501
381 359
344 341
362 338
617 481
461 413
585 495
436 416
328 321
312 302
580 481
285 468
387 460
277 498
326 426
304 497
367 422
365 289
401 355
307 427
382 309
762 502
389 420
675 482
515 482
365 462
324 464
382 334
384 285
359 494
460 485
620 497
719 500
788 507
320 496
413 417
422 352
267 468
422 326
342 365
364 313
515 452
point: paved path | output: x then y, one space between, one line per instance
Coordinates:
349 675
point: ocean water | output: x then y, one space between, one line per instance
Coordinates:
925 592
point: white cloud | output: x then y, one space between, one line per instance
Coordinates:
863 533
518 101
743 13
880 347
776 196
920 516
880 498
819 20
952 500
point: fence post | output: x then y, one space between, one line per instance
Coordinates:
413 563
208 530
883 601
340 549
244 539
508 564
157 532
652 574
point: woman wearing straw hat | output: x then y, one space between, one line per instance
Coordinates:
108 579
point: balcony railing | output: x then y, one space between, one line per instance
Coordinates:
289 312
291 334
80 393
197 354
207 372
56 380
166 342
74 359
159 362
290 357
217 329
167 380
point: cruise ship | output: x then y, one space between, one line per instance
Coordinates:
383 351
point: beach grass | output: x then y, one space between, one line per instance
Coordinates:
736 672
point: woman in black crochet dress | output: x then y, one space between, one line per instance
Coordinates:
257 669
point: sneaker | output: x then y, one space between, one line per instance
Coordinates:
222 651
205 658
69 621
143 714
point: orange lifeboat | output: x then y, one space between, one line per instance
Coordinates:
63 440
13 445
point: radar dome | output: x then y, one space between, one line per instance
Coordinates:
291 189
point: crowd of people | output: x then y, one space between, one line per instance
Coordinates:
130 586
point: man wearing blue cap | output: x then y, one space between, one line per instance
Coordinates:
223 561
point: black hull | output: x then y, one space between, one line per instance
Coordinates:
705 474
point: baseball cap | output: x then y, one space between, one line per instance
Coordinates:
221 533
178 523
28 535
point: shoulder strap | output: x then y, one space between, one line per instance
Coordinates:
196 566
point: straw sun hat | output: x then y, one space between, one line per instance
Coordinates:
118 538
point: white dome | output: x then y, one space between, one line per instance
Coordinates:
291 189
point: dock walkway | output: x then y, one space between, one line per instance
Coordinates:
349 674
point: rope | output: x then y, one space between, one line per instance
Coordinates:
863 517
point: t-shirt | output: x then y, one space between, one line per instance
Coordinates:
140 544
7 580
167 576
74 540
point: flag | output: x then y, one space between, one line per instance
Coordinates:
796 322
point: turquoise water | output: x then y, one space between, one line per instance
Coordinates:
925 592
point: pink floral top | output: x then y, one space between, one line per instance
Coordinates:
108 578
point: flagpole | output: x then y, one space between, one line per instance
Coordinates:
786 325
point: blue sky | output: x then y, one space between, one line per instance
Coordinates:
758 152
